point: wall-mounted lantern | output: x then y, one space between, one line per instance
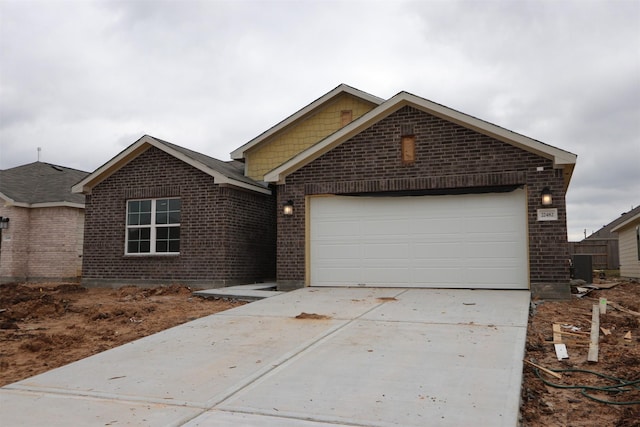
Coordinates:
4 223
288 208
546 197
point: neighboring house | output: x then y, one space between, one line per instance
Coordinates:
603 244
44 223
159 213
402 192
629 245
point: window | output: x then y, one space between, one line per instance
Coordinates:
153 226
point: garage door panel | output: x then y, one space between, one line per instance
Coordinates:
474 240
382 250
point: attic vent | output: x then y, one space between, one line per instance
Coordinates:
58 168
345 117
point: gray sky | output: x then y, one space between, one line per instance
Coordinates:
85 79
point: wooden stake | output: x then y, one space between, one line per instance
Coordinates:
595 332
545 370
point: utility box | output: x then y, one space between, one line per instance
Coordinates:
583 268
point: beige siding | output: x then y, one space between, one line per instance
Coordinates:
42 244
627 241
303 134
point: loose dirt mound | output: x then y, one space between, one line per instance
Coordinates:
50 325
549 405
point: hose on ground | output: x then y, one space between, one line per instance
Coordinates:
618 387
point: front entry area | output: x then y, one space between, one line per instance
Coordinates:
444 241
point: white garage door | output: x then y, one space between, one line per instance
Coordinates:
452 241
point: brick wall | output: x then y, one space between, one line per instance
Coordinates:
42 244
220 241
14 245
449 157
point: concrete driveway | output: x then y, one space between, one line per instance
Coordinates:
381 357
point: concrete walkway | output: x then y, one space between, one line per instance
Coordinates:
381 357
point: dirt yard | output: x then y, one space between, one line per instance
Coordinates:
618 357
49 325
46 326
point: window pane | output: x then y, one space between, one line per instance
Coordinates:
174 204
133 219
134 206
174 217
174 233
145 246
174 245
161 246
145 233
133 247
162 205
145 206
145 219
162 233
134 234
161 218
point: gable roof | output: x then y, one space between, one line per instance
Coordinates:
39 184
626 219
561 159
222 172
239 153
607 232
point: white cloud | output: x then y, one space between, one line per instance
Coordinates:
83 80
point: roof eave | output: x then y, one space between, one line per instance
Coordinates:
626 223
85 186
561 159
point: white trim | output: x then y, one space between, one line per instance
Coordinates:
238 154
9 202
560 157
152 226
141 145
626 223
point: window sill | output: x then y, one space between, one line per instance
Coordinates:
168 255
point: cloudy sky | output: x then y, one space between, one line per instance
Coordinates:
85 79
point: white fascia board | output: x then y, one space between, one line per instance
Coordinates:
624 224
559 157
8 201
138 147
104 171
238 154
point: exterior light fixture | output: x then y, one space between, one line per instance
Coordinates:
4 223
546 197
288 208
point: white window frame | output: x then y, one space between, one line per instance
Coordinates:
152 226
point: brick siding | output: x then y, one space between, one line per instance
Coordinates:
227 235
42 244
449 157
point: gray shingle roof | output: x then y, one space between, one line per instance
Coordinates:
605 232
233 169
40 182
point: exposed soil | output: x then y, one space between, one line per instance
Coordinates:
546 405
43 326
49 325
